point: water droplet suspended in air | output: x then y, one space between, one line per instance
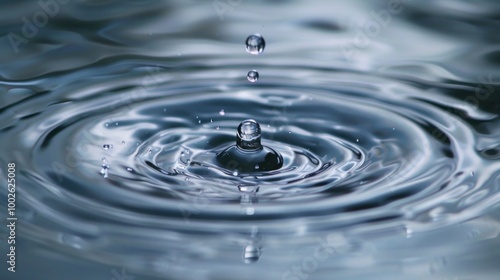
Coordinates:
217 128
251 253
253 76
255 44
107 147
222 113
104 168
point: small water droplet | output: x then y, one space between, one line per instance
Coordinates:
248 188
106 125
150 151
250 211
107 147
104 168
251 254
211 120
472 173
116 123
257 167
357 140
130 169
289 132
253 76
235 173
217 128
187 179
182 154
393 128
222 113
255 44
199 121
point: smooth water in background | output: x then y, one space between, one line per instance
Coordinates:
386 116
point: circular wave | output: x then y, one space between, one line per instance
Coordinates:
137 147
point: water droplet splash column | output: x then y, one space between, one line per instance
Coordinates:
249 155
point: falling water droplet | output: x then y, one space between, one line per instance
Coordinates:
217 128
251 254
199 121
357 140
222 113
235 173
253 76
130 169
257 167
255 44
104 168
107 147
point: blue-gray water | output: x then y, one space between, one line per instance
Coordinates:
386 115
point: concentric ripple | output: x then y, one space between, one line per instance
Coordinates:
354 152
123 159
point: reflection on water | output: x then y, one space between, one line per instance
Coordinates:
384 115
